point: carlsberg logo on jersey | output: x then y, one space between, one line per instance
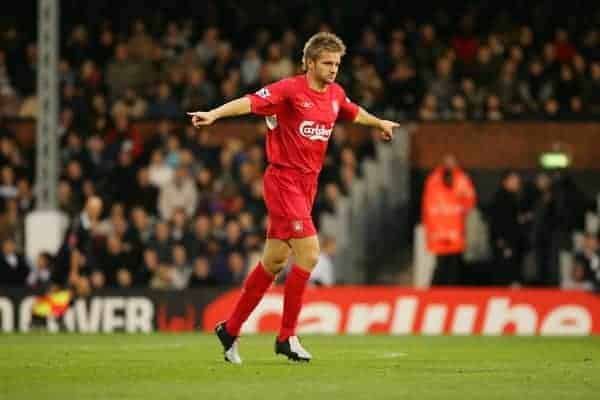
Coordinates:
313 131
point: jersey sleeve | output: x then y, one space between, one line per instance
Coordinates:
348 109
269 99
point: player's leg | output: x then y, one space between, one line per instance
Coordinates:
274 258
306 254
275 255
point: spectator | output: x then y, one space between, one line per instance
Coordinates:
181 192
442 85
8 185
179 226
140 42
199 93
465 43
448 197
142 225
94 159
201 275
9 99
160 174
123 137
404 88
564 49
122 72
250 68
11 223
429 108
164 278
147 269
181 267
493 111
123 177
25 196
14 269
130 105
115 260
77 253
324 273
164 104
197 242
536 88
207 48
39 277
278 66
566 87
144 193
237 268
485 69
428 50
174 40
475 98
586 268
223 63
161 242
507 218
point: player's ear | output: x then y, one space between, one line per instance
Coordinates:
310 63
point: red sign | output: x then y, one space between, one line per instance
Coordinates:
452 311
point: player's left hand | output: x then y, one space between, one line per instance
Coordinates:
387 128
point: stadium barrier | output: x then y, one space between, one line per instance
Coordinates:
338 310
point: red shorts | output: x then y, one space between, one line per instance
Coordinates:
289 195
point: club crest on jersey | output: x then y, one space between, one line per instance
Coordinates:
314 131
335 106
263 93
297 226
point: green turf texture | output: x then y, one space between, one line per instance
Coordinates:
190 366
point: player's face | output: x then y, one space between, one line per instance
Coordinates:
326 66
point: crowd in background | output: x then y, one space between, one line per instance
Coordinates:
177 200
533 221
482 64
526 228
180 209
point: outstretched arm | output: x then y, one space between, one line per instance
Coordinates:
233 108
365 118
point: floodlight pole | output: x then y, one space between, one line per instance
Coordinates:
48 99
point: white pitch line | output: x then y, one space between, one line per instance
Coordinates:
392 355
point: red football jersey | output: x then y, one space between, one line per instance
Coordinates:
300 121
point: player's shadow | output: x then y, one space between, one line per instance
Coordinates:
261 362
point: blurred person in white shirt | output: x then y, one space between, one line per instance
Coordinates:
324 273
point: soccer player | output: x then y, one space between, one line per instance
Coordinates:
300 113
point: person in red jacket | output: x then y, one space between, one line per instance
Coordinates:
124 136
448 197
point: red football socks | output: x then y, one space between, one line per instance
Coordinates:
255 286
292 302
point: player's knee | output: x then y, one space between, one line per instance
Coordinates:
274 264
309 259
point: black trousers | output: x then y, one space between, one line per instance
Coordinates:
507 268
447 270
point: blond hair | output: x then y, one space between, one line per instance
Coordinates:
319 42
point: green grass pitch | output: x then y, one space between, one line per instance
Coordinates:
190 366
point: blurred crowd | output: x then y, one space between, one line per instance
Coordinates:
180 209
179 200
444 67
